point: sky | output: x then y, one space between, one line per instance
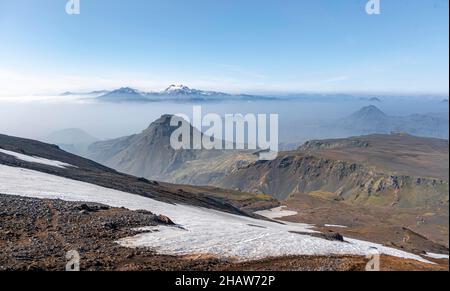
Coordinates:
246 46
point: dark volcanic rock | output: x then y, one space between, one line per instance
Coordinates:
37 234
333 236
165 220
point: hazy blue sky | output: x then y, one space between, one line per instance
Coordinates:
229 45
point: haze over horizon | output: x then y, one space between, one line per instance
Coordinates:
307 46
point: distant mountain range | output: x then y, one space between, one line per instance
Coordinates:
149 154
178 93
92 93
371 99
182 93
371 119
72 140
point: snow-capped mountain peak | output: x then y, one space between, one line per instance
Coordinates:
179 89
172 93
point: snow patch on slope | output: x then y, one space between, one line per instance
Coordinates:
37 160
205 231
335 226
278 212
437 256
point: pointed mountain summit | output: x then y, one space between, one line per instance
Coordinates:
369 113
148 154
371 119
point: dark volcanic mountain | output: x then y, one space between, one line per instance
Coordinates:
368 118
148 154
371 120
